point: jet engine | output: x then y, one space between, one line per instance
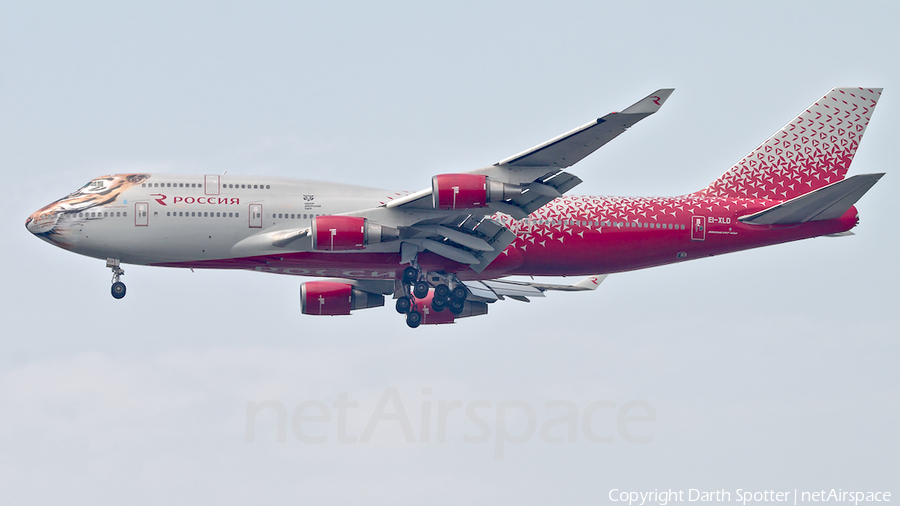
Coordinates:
344 233
334 298
469 191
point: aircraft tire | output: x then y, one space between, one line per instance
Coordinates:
403 305
442 291
457 306
118 290
438 305
410 275
413 319
459 293
421 289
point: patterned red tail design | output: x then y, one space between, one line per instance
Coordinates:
813 150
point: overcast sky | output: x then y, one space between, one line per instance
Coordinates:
767 369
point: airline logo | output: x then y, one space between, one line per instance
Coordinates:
229 201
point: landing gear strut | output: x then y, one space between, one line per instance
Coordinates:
118 287
412 286
449 293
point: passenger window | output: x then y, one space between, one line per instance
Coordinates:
125 214
167 213
254 187
237 215
267 187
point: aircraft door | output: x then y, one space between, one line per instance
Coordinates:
698 228
255 215
141 214
211 184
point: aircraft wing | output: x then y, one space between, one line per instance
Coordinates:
573 146
525 182
498 289
539 170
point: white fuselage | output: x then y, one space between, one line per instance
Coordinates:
179 218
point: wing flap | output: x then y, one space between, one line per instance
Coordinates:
469 239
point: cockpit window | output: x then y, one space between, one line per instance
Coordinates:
93 185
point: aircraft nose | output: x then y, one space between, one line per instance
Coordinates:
41 222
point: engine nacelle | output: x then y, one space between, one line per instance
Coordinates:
344 233
468 191
334 298
432 317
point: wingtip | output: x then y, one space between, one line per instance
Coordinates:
590 282
651 103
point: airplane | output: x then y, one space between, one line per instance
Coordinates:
444 252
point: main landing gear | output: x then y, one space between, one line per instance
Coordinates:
118 287
416 287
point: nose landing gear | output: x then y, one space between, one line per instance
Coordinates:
118 287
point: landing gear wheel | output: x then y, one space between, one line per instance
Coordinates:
410 275
413 319
438 305
457 306
421 289
118 287
403 305
442 291
118 290
459 293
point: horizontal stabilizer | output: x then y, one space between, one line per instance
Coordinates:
827 203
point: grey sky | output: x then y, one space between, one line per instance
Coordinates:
767 369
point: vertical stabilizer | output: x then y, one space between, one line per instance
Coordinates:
813 150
